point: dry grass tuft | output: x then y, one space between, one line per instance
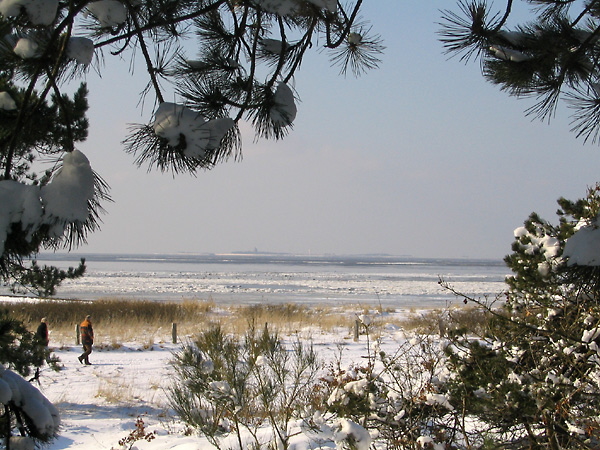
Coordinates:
434 321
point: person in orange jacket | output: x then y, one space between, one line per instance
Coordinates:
87 340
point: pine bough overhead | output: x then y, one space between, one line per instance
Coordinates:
550 56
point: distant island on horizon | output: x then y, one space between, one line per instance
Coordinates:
245 254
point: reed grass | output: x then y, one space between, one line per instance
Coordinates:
144 322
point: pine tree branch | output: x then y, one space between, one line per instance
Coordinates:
149 66
305 44
24 112
506 15
348 26
63 108
159 23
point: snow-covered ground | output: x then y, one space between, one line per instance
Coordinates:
99 404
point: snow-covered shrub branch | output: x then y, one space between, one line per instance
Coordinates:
27 417
398 400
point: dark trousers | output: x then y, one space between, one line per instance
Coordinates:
87 349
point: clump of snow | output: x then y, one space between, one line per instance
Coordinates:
81 49
280 7
284 111
365 319
5 392
583 248
39 12
428 442
273 45
289 7
358 387
355 38
66 197
330 5
21 443
180 125
508 54
26 48
438 399
348 432
110 13
64 200
6 102
20 203
539 242
590 335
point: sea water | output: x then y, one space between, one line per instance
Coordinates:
382 280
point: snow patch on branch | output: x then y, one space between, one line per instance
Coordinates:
81 49
6 102
290 7
110 13
508 54
185 128
26 48
43 414
39 12
348 432
20 204
66 197
63 201
583 248
280 7
330 5
284 111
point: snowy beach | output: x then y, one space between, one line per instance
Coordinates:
99 404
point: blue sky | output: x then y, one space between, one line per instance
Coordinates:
421 157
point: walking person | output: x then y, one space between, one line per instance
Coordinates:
87 340
42 332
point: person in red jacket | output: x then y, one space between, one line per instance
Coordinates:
87 340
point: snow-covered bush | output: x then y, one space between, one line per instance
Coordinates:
397 399
227 388
28 417
533 380
33 415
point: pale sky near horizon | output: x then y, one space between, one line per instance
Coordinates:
421 157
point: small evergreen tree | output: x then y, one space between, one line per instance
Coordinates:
533 380
228 388
20 349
